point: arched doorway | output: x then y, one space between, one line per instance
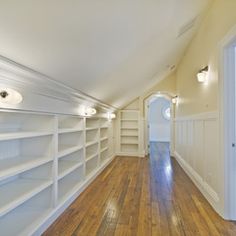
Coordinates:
162 102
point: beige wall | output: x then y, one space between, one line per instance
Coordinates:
167 85
203 50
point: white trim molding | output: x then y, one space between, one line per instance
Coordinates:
43 87
227 95
205 188
197 152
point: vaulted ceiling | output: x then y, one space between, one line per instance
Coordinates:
111 50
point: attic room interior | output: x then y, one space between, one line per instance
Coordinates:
117 118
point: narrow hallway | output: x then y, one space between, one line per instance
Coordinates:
142 196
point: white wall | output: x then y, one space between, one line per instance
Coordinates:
197 151
159 130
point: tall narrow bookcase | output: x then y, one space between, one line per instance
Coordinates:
46 160
129 133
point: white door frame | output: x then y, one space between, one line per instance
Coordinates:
169 97
227 95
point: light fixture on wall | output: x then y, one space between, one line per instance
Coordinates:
111 116
175 99
10 96
202 75
87 111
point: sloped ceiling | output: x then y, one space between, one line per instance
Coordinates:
110 50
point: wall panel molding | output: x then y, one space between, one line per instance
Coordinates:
197 151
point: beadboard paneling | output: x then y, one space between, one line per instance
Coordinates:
197 151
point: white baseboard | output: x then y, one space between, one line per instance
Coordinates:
211 196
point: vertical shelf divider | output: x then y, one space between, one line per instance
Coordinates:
84 148
55 162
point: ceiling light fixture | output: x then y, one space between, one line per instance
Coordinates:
111 116
175 99
87 111
202 75
10 96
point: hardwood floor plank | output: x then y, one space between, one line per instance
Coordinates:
142 197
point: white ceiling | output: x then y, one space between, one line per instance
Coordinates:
111 50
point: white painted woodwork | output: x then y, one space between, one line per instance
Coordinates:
46 160
197 151
128 136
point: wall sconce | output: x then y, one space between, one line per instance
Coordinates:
111 116
174 99
202 75
10 96
87 111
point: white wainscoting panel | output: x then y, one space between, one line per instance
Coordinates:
197 151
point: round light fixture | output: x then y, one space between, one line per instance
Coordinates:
10 96
87 111
202 75
111 116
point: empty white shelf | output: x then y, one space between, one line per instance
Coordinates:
105 161
130 142
92 128
23 221
68 188
104 149
129 135
17 192
69 130
66 167
15 165
103 138
65 150
130 128
19 135
91 143
104 127
91 157
129 119
91 172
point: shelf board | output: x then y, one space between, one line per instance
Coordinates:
104 127
91 143
66 167
103 138
66 150
129 143
18 191
129 119
24 220
69 130
20 135
91 157
104 149
130 128
91 128
16 165
129 135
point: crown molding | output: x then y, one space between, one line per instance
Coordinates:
19 76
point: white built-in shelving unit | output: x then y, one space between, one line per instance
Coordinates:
129 132
46 160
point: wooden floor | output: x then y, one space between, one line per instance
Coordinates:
142 196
